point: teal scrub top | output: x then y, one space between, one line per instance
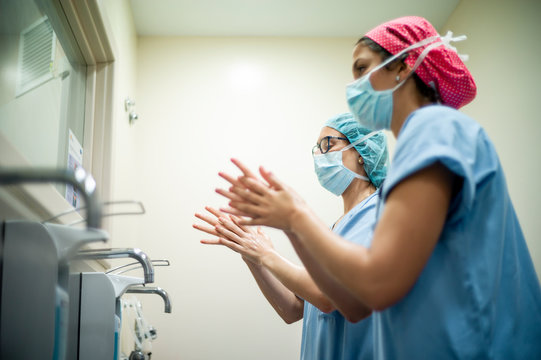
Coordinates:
478 297
331 336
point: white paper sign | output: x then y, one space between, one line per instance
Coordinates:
75 160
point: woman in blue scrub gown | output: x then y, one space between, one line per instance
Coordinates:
448 272
349 164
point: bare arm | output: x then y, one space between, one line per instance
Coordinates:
305 282
284 301
404 238
348 305
256 246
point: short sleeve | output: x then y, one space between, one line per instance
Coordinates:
438 134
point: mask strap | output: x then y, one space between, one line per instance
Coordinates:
436 41
409 48
445 41
364 138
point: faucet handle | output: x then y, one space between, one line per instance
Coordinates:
80 180
152 290
134 253
135 265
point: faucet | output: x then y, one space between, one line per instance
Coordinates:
134 253
152 290
79 179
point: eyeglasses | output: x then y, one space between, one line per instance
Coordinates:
326 143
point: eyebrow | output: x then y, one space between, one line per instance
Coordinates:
358 60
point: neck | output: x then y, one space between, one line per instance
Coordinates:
357 191
406 101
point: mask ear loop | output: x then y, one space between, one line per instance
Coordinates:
418 62
361 140
364 138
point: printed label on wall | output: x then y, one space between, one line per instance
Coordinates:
75 159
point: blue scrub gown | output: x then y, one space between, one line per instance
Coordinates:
331 336
478 296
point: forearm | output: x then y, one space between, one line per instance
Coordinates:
296 279
341 298
338 266
285 302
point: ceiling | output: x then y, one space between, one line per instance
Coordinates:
291 18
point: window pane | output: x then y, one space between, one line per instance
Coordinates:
42 87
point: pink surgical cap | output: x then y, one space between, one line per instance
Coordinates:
442 68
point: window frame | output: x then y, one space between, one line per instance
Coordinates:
92 33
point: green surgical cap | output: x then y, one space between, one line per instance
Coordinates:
373 150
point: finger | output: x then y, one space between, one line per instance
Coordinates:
221 241
231 226
255 185
236 220
208 219
252 221
232 180
243 168
210 242
214 212
271 179
208 229
232 245
246 195
230 210
229 194
247 209
229 235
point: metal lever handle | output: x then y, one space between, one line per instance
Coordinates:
134 253
152 290
141 211
79 179
136 265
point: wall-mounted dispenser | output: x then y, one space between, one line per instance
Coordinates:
34 270
34 298
95 325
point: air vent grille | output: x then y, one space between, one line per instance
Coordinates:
36 55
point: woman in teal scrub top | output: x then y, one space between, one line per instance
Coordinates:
448 273
349 164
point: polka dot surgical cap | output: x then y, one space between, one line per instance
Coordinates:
441 69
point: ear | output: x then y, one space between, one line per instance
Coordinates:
403 71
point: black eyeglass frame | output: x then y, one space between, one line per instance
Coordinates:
328 138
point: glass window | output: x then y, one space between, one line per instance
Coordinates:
42 86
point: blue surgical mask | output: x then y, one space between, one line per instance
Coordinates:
374 109
331 172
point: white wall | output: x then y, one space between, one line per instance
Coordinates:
202 101
124 177
504 48
197 109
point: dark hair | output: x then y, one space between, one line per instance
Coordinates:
425 90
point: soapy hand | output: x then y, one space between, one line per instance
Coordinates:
252 243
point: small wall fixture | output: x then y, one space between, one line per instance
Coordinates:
133 116
129 107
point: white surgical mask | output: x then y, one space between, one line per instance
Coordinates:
331 172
